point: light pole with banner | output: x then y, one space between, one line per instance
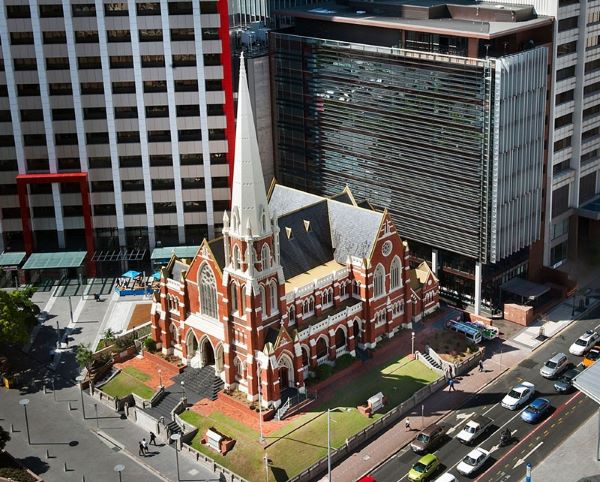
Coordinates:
24 402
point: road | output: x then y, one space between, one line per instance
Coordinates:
532 442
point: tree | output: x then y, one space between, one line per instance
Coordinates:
17 315
84 356
4 437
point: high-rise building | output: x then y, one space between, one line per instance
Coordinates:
573 221
433 111
129 100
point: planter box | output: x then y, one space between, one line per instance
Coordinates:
162 363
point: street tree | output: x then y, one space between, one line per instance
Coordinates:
17 315
84 356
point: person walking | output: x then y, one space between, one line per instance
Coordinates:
145 446
141 450
152 439
480 365
407 424
451 385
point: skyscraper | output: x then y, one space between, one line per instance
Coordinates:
133 100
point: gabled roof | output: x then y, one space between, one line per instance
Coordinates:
305 249
175 268
418 277
285 199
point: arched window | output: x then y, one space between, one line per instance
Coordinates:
273 296
343 290
291 315
356 288
263 300
340 338
395 274
378 281
243 300
208 292
380 317
266 257
311 304
233 298
236 257
322 348
305 356
238 367
327 297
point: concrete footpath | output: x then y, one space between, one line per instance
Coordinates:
505 355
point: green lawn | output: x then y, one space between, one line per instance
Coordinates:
303 441
124 384
135 373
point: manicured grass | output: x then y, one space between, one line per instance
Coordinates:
124 384
135 373
302 442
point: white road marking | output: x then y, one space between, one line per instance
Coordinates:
522 460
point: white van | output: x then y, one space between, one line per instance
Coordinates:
447 477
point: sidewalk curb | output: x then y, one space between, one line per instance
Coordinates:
103 435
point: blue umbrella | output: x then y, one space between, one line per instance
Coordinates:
156 275
130 274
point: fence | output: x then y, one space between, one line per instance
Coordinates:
139 333
210 464
387 420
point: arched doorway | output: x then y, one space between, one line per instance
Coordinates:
286 372
322 348
207 352
340 338
191 344
357 330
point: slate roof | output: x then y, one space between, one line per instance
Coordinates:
218 249
338 229
305 249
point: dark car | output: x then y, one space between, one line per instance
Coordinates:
565 383
427 438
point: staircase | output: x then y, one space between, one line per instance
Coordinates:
173 428
428 360
281 410
165 406
200 383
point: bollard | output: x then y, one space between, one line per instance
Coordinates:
45 392
12 428
65 466
70 408
47 454
83 478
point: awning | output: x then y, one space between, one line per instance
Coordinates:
123 254
67 259
588 382
525 289
179 251
12 258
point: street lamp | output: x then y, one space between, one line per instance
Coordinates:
80 379
97 421
58 333
328 445
24 402
422 417
266 458
413 343
260 420
70 310
175 438
118 469
183 395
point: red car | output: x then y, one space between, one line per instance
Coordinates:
367 478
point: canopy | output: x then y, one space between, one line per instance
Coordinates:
12 259
131 274
525 289
156 275
179 251
588 382
66 259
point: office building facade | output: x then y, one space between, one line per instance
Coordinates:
131 99
440 123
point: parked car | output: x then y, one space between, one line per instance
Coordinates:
555 366
536 410
473 461
565 382
447 477
518 395
591 356
424 468
367 478
584 343
427 438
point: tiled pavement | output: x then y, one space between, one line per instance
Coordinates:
149 368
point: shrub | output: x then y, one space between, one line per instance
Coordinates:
324 371
344 361
125 342
150 344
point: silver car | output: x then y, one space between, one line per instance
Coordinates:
555 366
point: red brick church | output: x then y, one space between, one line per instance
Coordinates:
296 281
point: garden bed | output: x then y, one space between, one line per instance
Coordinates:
451 346
11 469
129 381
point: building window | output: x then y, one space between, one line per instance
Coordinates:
186 86
190 135
148 9
152 61
159 160
152 86
84 10
151 35
124 88
291 315
215 109
567 23
213 85
184 60
236 257
561 167
564 97
327 298
94 113
180 8
51 11
190 160
163 184
165 208
118 36
34 89
273 297
128 137
132 185
207 8
159 136
56 37
378 281
89 88
566 49
134 208
564 120
208 293
559 229
191 110
182 34
558 253
21 38
99 163
38 165
18 11
565 73
308 307
322 347
265 257
89 62
129 112
33 139
591 89
560 201
130 161
396 274
192 183
30 115
25 64
104 210
194 206
115 10
65 139
344 290
121 61
86 37
102 186
212 60
57 63
157 111
562 144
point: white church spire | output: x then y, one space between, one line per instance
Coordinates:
249 207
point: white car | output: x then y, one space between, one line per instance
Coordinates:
518 396
473 461
584 343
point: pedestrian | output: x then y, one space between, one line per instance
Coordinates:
407 424
152 439
141 451
451 385
448 373
145 445
480 366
